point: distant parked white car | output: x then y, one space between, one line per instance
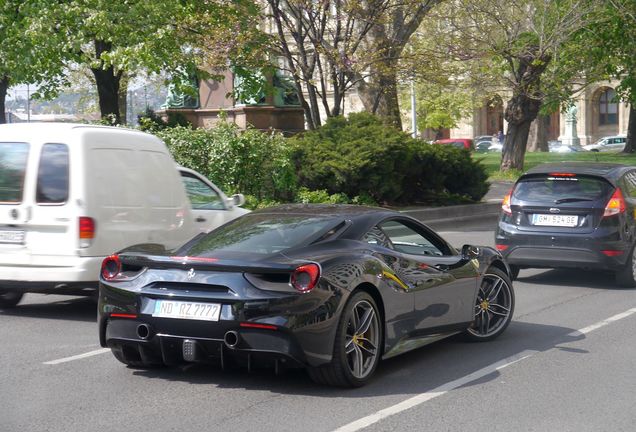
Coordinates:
611 143
210 206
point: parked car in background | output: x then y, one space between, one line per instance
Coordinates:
330 288
571 215
71 194
495 147
464 143
614 143
559 147
483 146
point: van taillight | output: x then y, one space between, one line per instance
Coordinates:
615 205
505 204
86 231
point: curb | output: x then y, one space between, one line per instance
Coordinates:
457 213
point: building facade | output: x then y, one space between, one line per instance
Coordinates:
597 113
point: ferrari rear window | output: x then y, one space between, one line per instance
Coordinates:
261 234
13 160
553 188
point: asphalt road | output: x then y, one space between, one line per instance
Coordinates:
566 363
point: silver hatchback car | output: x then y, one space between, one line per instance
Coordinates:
611 143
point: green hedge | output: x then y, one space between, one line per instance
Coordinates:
250 162
360 156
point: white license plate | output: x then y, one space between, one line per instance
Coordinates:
555 220
12 236
187 310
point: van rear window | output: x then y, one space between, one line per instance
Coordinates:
13 161
550 189
52 187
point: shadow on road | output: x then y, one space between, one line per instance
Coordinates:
71 308
596 279
416 372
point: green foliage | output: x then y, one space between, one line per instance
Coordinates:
253 203
117 40
250 162
150 122
28 52
360 156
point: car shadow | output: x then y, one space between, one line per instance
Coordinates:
415 372
66 308
597 279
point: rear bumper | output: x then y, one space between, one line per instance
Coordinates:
254 347
527 249
303 326
59 274
556 257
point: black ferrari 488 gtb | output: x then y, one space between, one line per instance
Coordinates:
330 288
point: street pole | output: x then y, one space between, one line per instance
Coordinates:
28 105
413 113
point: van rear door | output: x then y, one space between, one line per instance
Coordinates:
35 221
53 227
14 211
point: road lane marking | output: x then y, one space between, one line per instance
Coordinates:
78 357
438 391
419 399
603 323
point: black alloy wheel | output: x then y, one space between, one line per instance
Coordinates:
357 347
9 299
493 308
626 277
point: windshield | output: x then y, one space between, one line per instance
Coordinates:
13 160
261 234
561 189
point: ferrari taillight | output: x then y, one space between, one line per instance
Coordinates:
616 204
305 277
111 267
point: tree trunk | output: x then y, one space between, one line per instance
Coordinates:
108 93
521 110
122 96
4 86
380 96
107 81
538 136
630 145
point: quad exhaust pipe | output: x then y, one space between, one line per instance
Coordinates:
231 339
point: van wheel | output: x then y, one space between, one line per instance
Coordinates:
626 277
9 299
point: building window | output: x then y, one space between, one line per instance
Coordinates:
608 108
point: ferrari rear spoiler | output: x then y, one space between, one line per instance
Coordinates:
206 263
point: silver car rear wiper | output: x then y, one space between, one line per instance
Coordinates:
565 200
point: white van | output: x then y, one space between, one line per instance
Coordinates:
71 194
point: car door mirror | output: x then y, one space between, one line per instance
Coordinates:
237 200
470 252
